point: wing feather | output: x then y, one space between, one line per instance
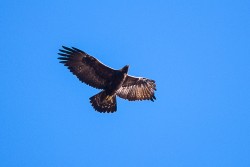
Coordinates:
137 88
87 68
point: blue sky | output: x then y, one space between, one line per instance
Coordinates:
198 52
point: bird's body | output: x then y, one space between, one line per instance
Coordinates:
112 82
118 80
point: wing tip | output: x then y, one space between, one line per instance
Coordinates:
70 50
153 98
66 48
78 50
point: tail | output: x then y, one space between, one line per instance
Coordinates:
103 102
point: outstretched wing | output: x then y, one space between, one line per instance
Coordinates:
87 68
137 88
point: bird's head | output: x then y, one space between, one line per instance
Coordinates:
125 69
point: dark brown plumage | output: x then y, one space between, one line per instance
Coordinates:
112 82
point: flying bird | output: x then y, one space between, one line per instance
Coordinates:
112 82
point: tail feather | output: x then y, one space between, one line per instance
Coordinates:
103 102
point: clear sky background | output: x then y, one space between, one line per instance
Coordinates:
198 52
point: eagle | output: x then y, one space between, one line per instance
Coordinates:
112 82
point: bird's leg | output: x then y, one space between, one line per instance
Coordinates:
109 97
